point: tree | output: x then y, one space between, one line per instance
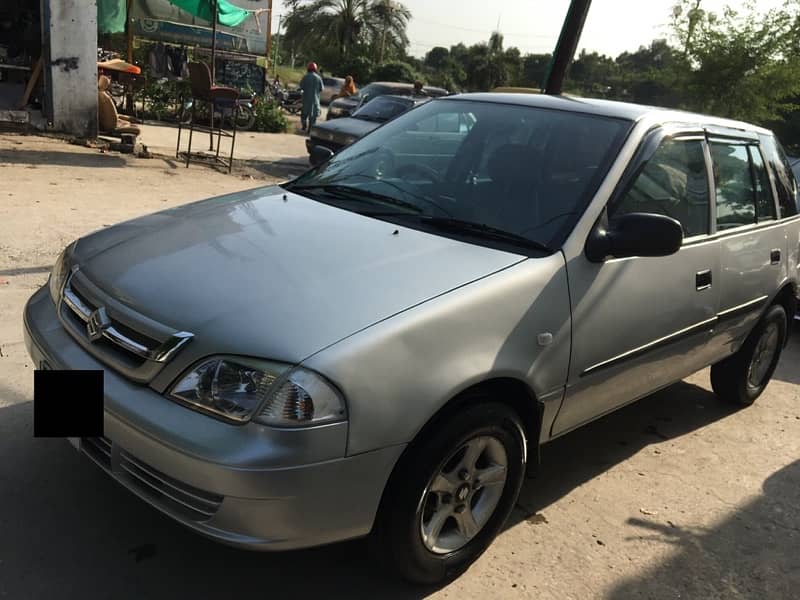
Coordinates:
743 64
388 22
534 69
340 29
395 71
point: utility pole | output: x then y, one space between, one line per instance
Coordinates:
566 46
269 34
277 43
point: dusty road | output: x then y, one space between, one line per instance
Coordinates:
674 497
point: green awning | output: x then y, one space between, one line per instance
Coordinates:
111 16
227 14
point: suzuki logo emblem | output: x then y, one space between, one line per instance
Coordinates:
98 322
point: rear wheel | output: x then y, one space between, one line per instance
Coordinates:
451 494
742 377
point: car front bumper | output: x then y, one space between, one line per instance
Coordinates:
249 486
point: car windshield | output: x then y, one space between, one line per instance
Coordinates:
523 171
383 108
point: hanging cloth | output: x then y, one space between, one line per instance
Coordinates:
111 15
228 14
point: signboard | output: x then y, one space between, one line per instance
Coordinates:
160 20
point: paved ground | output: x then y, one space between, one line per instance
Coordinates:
676 496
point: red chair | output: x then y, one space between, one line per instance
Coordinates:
217 99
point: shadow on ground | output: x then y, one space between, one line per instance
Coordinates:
67 530
789 368
753 554
26 270
35 158
578 457
286 168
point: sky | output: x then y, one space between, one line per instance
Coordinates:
612 26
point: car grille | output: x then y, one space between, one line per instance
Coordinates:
164 491
128 342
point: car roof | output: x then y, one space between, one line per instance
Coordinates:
410 97
607 108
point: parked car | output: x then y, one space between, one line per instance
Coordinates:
794 162
335 135
381 345
331 87
344 107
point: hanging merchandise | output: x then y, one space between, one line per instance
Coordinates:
111 15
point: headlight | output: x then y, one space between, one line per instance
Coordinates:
334 111
349 139
274 394
58 275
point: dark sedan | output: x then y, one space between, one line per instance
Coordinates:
344 107
337 134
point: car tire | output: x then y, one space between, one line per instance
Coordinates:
410 505
743 376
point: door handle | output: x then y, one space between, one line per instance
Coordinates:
775 256
702 279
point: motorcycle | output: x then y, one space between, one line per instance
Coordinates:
245 120
289 100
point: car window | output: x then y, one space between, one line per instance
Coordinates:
785 183
383 108
455 122
674 182
734 184
524 170
765 205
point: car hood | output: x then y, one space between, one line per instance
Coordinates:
273 274
344 127
347 103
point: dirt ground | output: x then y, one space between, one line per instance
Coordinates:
677 496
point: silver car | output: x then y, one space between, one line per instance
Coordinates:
330 87
382 345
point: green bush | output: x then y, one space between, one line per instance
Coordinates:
270 117
395 71
359 67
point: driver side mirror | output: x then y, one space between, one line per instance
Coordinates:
319 155
634 234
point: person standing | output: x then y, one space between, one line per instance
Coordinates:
311 85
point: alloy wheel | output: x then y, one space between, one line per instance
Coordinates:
461 497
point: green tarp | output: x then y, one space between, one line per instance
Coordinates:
227 14
111 16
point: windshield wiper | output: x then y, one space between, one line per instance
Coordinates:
484 231
348 192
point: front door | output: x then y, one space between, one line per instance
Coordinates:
642 323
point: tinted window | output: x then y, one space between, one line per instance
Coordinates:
383 108
784 178
765 205
674 182
734 183
524 170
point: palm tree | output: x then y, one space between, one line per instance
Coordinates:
343 25
389 18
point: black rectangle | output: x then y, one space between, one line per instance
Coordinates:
67 403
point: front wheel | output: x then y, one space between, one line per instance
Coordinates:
245 120
451 494
742 377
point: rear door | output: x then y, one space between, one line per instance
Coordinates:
752 240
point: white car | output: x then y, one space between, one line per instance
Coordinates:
331 87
